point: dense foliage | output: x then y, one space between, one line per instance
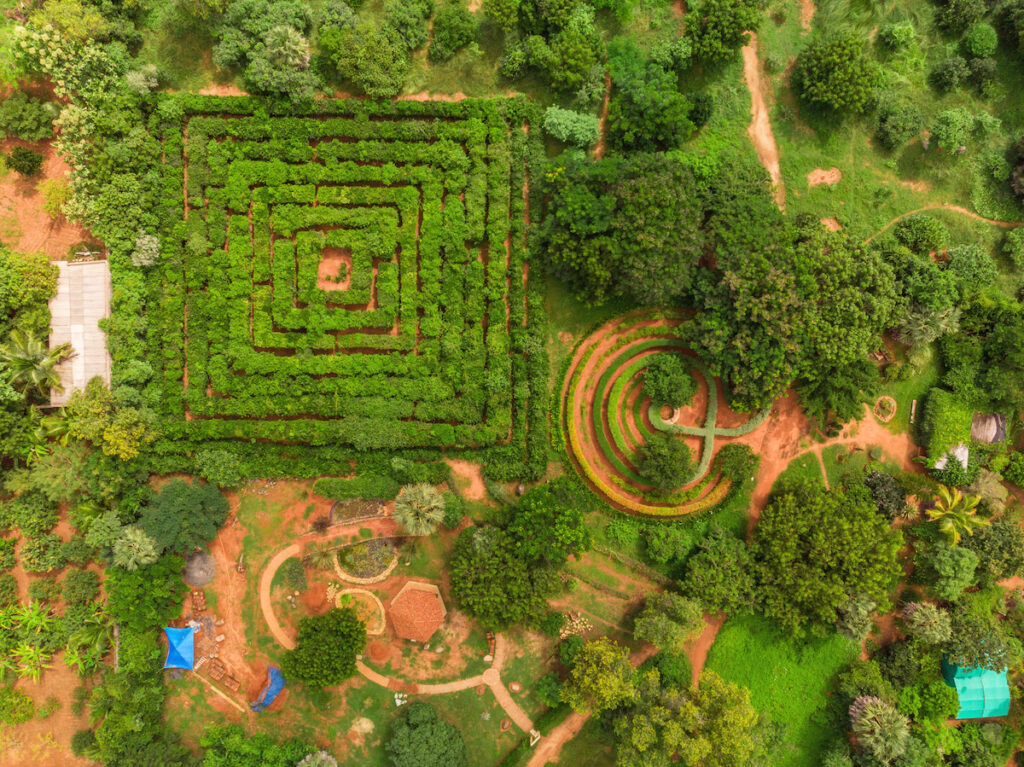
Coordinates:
326 651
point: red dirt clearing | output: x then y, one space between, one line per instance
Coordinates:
24 225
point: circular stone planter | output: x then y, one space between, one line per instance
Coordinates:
879 409
348 577
376 623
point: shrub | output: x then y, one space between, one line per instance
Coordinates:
887 492
551 624
623 532
981 41
325 653
27 118
42 553
668 382
973 266
24 161
293 574
922 233
81 586
82 742
983 77
737 462
897 122
950 74
952 129
44 590
548 690
222 468
836 73
7 558
409 19
454 510
8 589
16 707
419 736
957 15
665 542
56 192
897 36
664 461
951 569
573 128
719 27
1014 471
147 249
454 27
569 649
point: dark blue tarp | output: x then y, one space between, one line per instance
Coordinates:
181 651
273 687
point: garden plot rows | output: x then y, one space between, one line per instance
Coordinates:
606 416
352 279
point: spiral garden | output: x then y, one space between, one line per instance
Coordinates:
605 416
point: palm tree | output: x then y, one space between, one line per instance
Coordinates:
95 635
30 364
321 556
419 509
956 513
922 326
134 549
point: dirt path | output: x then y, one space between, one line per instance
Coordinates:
947 206
550 746
382 528
698 651
760 129
807 10
469 479
24 225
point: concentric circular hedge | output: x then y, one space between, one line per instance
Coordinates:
606 417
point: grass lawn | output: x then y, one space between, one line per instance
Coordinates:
593 747
857 462
787 680
806 467
905 392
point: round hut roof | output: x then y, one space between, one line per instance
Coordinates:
417 611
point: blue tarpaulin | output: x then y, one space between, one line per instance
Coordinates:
273 687
982 692
181 650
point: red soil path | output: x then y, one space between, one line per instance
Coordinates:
955 209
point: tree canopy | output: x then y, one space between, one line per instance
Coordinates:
326 651
419 736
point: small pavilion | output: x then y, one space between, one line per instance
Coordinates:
417 611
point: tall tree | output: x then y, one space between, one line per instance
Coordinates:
182 516
813 548
419 736
668 621
601 678
326 651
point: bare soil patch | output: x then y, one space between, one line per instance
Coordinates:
468 478
832 224
24 225
819 176
807 10
760 129
334 263
428 96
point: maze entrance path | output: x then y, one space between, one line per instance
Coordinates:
606 418
348 280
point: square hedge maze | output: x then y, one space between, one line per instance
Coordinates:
353 277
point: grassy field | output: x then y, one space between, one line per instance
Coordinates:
788 681
805 467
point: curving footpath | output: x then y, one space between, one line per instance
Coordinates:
947 206
491 678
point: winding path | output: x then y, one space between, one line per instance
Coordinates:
491 677
760 129
947 206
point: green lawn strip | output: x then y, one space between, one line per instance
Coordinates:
805 467
857 461
906 392
788 681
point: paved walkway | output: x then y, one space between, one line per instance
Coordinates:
81 301
490 678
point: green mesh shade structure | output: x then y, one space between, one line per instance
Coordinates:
982 692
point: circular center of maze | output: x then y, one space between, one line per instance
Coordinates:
607 418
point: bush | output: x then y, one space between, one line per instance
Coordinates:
219 467
897 36
44 590
668 382
952 129
957 15
973 266
983 78
664 461
82 742
326 651
409 19
25 161
81 586
27 118
950 74
16 707
897 122
293 574
8 590
454 27
7 558
551 624
43 553
737 462
887 492
420 737
548 690
55 192
1014 471
981 41
573 128
454 510
836 73
623 532
922 233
